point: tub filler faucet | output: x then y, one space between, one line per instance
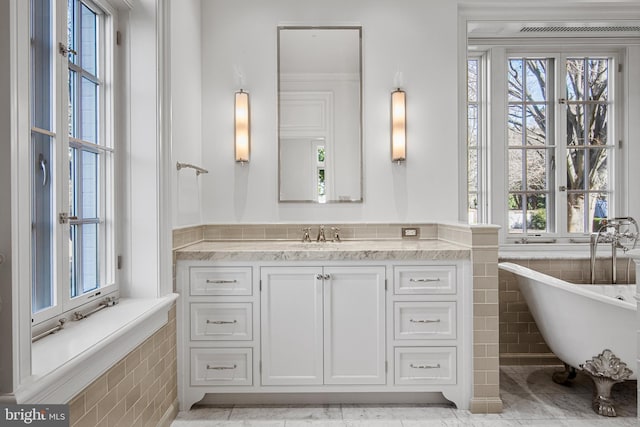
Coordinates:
620 238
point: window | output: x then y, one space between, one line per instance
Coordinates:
475 200
530 146
72 157
561 116
543 127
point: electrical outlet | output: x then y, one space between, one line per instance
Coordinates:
410 232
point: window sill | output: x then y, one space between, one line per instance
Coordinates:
544 251
66 362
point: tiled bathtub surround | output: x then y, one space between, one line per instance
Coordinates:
140 390
481 240
520 340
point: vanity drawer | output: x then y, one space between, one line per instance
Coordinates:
425 365
222 321
416 280
221 366
220 281
424 320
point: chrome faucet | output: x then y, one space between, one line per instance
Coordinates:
321 237
305 234
336 236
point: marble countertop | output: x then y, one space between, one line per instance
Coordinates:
351 250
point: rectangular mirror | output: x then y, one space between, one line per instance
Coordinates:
320 114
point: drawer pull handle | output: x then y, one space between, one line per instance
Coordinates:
219 282
425 366
220 322
424 320
424 280
221 368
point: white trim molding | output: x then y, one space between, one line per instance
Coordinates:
107 337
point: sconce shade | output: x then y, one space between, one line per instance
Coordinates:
398 126
242 134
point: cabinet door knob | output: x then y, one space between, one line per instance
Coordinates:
319 276
327 277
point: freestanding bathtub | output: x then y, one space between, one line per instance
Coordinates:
579 322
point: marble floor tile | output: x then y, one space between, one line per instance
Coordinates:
314 423
396 412
529 395
228 423
287 412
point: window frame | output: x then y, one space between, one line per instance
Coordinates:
105 72
482 152
495 165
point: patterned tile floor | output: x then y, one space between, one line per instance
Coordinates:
530 399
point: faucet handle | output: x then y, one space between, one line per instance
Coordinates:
305 234
336 235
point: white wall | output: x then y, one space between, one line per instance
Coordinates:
6 378
417 37
186 117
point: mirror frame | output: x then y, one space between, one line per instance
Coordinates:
360 121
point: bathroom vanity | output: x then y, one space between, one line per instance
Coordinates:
384 317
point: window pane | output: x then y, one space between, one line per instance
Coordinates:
89 184
576 212
72 35
472 80
472 125
89 110
73 93
472 168
597 122
536 120
89 257
598 79
537 169
599 209
473 208
576 169
515 83
537 212
516 213
536 80
515 170
575 79
575 124
41 64
83 257
42 219
73 182
598 172
89 30
515 125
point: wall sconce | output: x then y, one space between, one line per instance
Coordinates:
398 126
242 135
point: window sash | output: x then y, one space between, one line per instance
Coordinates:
559 214
98 148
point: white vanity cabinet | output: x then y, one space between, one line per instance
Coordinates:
250 327
323 325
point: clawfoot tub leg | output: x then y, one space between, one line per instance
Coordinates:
562 377
606 369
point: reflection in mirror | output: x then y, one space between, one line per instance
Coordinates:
319 114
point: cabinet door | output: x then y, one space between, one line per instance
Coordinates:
354 325
291 323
